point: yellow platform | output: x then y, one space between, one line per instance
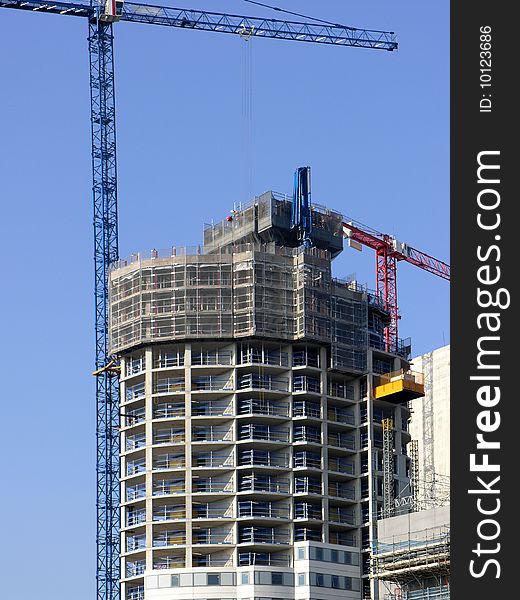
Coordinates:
399 386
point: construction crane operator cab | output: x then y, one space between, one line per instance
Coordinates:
111 10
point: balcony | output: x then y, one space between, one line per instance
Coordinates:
135 542
262 510
210 486
211 434
135 593
344 539
303 408
134 392
135 568
304 383
340 465
168 410
306 511
399 386
134 467
212 536
136 441
213 460
211 358
263 535
338 490
340 415
342 516
135 492
168 487
309 435
169 360
257 483
255 381
169 562
134 417
255 431
262 458
169 512
135 365
340 440
207 408
169 385
303 534
173 537
342 390
264 559
207 511
135 517
307 460
260 355
211 383
306 485
257 406
169 435
168 461
306 358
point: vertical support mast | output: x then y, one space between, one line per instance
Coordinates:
388 468
386 287
105 251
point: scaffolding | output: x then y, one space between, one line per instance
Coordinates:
388 468
428 425
415 566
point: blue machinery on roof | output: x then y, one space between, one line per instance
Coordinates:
301 216
100 36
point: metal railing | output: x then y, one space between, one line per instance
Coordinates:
340 390
169 385
136 593
208 486
262 535
173 537
263 356
252 483
263 382
135 416
342 515
340 440
304 383
262 510
340 415
169 562
211 358
135 568
133 467
168 461
304 485
135 517
213 459
135 542
263 559
302 408
168 410
166 487
134 492
339 490
170 435
306 358
210 409
303 534
135 441
256 406
169 512
212 433
303 510
210 512
209 536
169 360
255 431
133 392
135 365
262 458
340 465
303 433
307 460
211 383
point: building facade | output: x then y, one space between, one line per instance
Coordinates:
253 386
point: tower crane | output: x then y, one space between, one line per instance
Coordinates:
100 18
389 251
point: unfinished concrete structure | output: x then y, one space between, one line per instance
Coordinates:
254 386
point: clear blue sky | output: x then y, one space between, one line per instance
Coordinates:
373 125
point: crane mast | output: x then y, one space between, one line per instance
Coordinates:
100 18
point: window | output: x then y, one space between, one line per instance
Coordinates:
301 578
334 581
175 582
320 580
244 580
301 553
276 578
213 578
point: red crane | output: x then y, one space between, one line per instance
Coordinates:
388 252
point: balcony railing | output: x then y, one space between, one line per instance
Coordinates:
211 358
135 365
251 483
263 382
340 491
133 467
306 358
263 535
134 492
307 460
340 390
345 539
307 511
208 486
339 415
263 559
303 383
256 406
302 408
207 512
169 512
133 442
302 433
135 542
135 416
169 360
210 536
166 487
213 459
169 385
169 562
303 534
255 431
303 485
170 435
168 410
168 461
341 465
133 392
211 383
341 515
211 409
135 568
135 517
340 440
262 510
212 434
174 537
263 356
262 458
136 593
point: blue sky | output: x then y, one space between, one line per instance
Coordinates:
374 126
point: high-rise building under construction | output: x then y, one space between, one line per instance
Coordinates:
264 418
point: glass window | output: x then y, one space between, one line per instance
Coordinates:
213 578
320 579
244 579
301 578
276 578
301 553
175 582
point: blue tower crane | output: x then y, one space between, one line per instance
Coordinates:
101 17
